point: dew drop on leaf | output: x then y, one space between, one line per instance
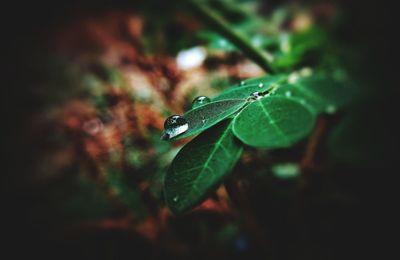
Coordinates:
288 93
173 126
255 95
175 199
261 85
242 83
199 101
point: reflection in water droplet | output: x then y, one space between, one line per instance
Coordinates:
330 109
199 101
173 126
242 83
261 85
288 93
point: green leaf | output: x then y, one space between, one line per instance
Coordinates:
245 88
294 46
273 122
322 92
205 116
200 166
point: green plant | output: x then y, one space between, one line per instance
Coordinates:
274 111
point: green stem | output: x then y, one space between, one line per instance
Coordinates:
214 20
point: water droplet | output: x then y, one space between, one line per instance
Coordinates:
261 85
173 126
199 101
330 109
288 93
255 95
175 199
242 83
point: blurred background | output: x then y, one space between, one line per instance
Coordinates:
90 83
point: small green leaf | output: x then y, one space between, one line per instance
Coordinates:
205 116
273 122
322 92
200 166
245 88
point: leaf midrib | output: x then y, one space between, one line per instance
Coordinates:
273 123
197 130
205 165
269 86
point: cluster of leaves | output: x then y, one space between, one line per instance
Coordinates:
268 112
275 111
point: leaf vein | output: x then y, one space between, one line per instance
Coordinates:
272 123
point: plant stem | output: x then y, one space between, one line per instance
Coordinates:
214 20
